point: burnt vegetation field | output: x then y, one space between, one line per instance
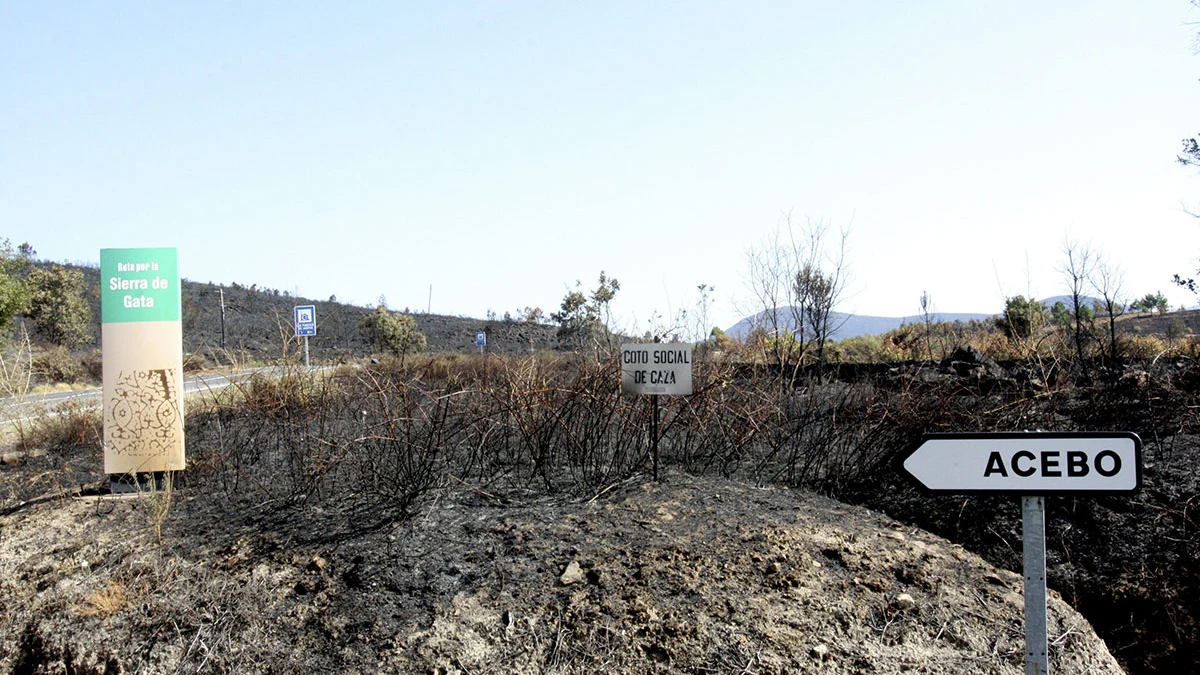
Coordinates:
321 458
328 457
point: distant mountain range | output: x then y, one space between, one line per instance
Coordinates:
850 325
854 325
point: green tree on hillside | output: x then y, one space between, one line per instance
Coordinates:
14 292
393 331
719 339
530 317
1022 318
58 306
1062 317
575 318
817 293
585 319
1151 302
602 297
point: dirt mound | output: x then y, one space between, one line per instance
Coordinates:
689 575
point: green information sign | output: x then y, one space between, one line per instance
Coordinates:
139 284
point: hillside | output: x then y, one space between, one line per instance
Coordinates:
852 325
1171 324
257 326
1176 323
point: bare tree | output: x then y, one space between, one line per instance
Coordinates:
771 265
701 328
796 284
819 287
601 300
1076 269
530 317
927 319
666 328
1108 281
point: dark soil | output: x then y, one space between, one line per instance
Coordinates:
687 575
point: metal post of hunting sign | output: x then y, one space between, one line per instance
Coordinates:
142 340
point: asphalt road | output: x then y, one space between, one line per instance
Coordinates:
23 409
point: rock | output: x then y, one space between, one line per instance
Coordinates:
904 602
966 355
572 575
819 652
994 579
968 361
317 564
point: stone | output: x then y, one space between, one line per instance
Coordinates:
573 574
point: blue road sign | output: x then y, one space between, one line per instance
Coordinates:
306 320
480 339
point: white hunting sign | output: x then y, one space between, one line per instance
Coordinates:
661 369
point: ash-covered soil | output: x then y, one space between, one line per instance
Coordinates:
688 575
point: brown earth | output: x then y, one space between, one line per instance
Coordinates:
693 575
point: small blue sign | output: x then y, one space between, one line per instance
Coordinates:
480 339
306 320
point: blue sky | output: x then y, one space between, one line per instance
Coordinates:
499 151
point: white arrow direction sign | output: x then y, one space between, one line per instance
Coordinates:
1035 463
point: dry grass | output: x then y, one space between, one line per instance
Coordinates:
70 428
157 501
60 388
104 602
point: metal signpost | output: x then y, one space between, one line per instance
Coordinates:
481 340
1032 465
657 369
306 325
